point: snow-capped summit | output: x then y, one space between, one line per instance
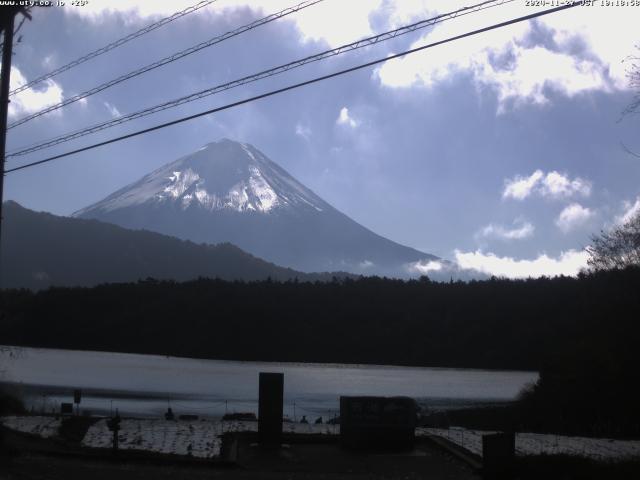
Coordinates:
223 175
228 191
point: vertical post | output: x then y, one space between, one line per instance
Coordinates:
114 425
271 395
4 100
77 397
498 455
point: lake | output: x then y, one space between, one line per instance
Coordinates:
145 385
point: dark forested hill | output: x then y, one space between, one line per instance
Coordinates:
40 250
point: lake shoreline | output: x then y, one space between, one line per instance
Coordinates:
266 362
143 384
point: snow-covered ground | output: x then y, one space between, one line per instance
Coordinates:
201 438
42 426
197 438
536 443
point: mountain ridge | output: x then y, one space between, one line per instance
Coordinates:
228 191
40 250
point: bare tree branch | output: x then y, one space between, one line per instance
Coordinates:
616 249
629 151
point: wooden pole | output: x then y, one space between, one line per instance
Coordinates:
5 75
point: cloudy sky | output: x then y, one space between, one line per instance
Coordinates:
504 151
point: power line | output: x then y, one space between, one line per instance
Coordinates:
149 28
259 76
171 58
298 85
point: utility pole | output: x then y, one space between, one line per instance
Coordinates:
7 18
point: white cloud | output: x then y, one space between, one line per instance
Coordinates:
520 230
113 110
366 264
334 22
567 263
630 211
135 10
532 70
303 131
552 185
32 100
337 22
573 216
346 119
423 267
557 185
518 70
592 26
519 187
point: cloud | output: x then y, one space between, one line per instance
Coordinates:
366 264
35 99
573 216
333 22
423 267
567 263
557 185
519 187
531 71
113 110
592 27
336 23
345 118
552 185
524 230
631 210
514 61
303 131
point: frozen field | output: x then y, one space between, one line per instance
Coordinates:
145 385
536 444
201 438
44 427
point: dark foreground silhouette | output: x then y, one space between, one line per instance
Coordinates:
582 333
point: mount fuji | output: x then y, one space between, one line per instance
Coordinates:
231 192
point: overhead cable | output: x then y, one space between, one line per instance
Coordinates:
171 58
257 76
149 28
295 86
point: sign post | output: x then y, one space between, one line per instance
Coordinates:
271 395
77 397
498 454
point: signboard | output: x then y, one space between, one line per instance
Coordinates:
386 423
77 395
66 408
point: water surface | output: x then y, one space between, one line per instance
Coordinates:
145 385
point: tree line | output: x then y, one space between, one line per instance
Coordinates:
497 323
582 334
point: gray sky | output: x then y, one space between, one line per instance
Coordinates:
502 151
